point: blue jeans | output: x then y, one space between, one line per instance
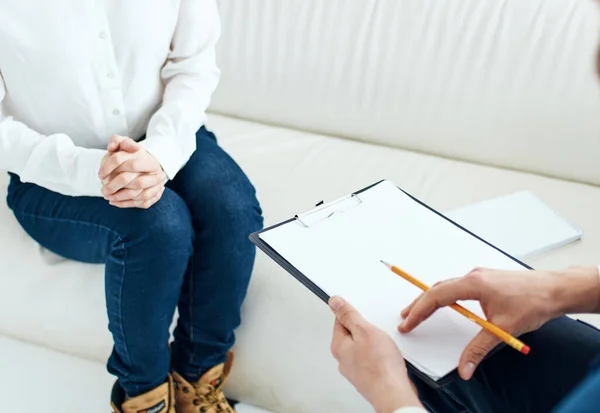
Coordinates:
562 352
189 251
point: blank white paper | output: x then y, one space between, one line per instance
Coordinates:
341 254
521 224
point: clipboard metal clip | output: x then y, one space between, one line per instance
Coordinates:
328 210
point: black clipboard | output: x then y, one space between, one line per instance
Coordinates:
304 280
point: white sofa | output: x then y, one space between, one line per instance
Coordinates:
456 101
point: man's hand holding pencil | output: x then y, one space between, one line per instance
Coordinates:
515 301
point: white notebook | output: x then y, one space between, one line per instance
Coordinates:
336 250
521 224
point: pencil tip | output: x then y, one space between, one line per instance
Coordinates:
386 264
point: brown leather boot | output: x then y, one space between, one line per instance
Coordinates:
205 396
159 400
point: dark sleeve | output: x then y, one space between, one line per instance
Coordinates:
585 398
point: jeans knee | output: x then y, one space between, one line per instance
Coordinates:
228 201
166 227
238 205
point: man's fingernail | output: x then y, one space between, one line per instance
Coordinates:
336 303
468 370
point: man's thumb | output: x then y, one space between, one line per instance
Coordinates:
475 352
347 315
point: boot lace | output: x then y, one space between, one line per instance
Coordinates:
209 399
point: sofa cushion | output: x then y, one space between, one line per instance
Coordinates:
283 355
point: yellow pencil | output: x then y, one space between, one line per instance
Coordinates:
497 331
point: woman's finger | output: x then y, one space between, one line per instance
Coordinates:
148 180
141 203
149 193
112 162
148 204
114 184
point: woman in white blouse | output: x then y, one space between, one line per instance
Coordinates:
102 111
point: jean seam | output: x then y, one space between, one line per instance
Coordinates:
122 262
191 294
121 323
